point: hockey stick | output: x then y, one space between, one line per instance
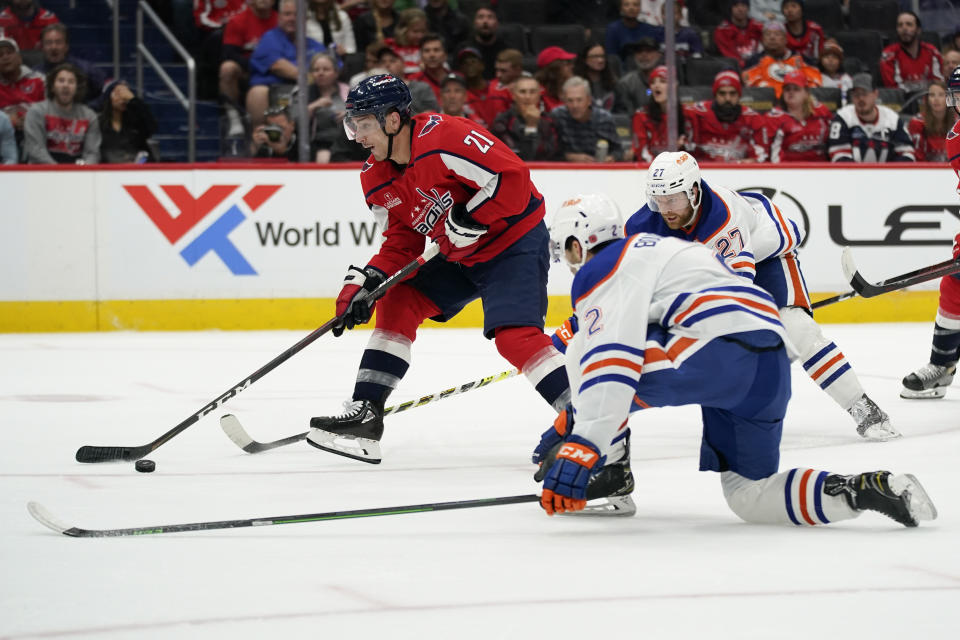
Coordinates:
869 290
831 300
45 518
89 453
235 431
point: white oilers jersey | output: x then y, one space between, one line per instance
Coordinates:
743 228
649 279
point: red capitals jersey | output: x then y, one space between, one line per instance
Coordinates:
649 136
65 136
213 14
485 105
500 98
26 32
786 139
423 76
899 69
245 29
952 144
809 42
28 88
714 141
926 148
739 44
453 160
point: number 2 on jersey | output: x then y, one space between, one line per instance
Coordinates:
482 142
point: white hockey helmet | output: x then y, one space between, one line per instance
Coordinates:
589 218
673 172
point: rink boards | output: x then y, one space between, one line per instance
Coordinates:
265 247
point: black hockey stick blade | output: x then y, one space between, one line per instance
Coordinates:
869 290
47 519
90 453
833 299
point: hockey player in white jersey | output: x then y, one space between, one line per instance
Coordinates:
759 243
664 322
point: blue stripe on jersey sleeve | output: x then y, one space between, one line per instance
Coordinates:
766 205
677 303
609 377
727 308
612 346
598 268
756 292
646 221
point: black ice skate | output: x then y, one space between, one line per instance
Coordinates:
928 382
899 497
355 433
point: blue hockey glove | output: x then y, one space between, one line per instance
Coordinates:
552 437
565 487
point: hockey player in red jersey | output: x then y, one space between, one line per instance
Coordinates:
723 130
665 324
443 179
932 379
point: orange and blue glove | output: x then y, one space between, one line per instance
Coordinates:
551 438
565 487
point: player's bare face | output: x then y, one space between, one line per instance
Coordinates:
675 209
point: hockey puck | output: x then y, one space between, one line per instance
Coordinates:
145 466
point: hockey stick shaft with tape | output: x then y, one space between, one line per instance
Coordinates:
47 519
89 453
869 290
235 431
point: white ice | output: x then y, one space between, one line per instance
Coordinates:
683 567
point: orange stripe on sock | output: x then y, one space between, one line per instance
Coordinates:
803 497
819 372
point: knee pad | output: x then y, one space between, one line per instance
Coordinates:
803 331
403 309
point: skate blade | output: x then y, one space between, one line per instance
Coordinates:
918 502
611 506
926 394
362 449
880 432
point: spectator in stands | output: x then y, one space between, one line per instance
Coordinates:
277 137
629 28
274 61
768 68
23 21
509 68
767 10
433 63
631 90
650 122
485 39
19 85
377 24
687 40
951 60
450 24
126 125
55 44
210 18
9 154
484 106
61 129
723 130
592 65
740 36
587 133
654 12
410 31
910 63
795 130
210 15
867 132
525 127
326 105
422 94
831 69
929 128
240 38
803 36
453 99
331 26
554 68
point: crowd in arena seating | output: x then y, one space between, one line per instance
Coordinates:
556 80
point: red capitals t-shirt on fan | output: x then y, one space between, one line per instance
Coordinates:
245 29
453 160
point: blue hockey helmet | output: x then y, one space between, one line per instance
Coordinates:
953 88
378 96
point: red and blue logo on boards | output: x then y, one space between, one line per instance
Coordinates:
192 211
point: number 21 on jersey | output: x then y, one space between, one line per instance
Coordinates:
482 142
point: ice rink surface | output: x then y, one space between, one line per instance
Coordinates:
683 567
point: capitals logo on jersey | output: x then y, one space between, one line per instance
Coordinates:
430 124
438 205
